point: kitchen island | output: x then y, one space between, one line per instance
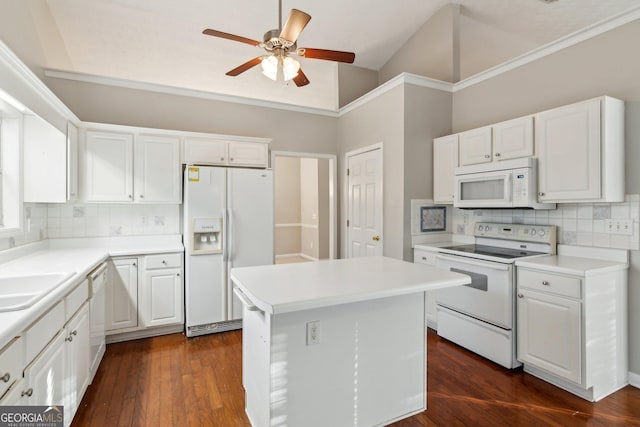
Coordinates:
336 342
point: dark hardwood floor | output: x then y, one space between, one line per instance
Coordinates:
175 381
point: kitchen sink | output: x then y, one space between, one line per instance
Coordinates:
20 292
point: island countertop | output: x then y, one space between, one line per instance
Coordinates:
286 288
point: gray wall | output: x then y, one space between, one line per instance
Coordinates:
353 82
429 52
380 120
287 204
605 65
323 209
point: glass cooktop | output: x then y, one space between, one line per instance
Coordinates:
506 253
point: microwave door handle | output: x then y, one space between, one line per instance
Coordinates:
509 187
467 261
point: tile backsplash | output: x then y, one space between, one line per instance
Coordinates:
34 220
581 224
99 220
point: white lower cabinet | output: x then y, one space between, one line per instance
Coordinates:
121 294
78 357
572 328
163 297
549 333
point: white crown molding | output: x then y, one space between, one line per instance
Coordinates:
400 79
24 73
173 90
551 48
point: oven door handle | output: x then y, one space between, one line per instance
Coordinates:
467 261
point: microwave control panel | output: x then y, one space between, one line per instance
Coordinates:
521 183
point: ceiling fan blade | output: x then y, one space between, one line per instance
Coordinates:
244 67
301 79
329 55
228 36
296 22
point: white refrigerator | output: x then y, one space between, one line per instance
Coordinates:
228 222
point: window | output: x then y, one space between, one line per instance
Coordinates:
10 170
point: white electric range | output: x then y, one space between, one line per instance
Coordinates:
481 316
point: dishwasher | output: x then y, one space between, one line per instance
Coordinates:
97 283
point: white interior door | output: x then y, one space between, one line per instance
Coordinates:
365 204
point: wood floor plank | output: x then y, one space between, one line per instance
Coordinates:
175 381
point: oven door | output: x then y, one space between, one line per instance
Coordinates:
489 296
484 189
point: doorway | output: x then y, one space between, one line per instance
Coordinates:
305 208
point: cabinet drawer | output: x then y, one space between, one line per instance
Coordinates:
424 257
43 330
549 282
74 299
11 364
163 261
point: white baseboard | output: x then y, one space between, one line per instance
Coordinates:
281 256
634 379
310 258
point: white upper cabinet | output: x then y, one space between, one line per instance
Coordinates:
475 146
513 139
205 151
445 154
214 151
248 154
45 162
580 149
114 174
108 167
157 169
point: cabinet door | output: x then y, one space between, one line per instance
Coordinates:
122 294
108 167
45 162
567 144
45 376
72 162
248 154
513 139
157 169
475 146
445 160
549 334
205 151
163 299
77 337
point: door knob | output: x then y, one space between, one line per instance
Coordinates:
376 238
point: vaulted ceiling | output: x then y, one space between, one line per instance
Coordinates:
161 41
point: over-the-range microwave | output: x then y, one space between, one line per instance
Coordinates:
504 184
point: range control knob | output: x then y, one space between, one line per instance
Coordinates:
533 232
480 228
541 232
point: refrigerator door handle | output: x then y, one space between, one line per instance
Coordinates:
230 236
225 229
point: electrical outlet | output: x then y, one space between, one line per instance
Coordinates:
619 226
313 332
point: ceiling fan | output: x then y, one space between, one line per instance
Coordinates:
279 44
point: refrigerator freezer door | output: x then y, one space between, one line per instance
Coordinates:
205 275
250 211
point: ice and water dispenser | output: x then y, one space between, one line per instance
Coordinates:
206 236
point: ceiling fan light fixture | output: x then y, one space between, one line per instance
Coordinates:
270 67
290 68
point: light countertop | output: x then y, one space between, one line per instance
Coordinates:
80 256
572 265
294 287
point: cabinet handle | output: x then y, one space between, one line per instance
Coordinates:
69 338
541 194
27 393
74 332
545 283
424 258
178 274
231 159
498 154
222 159
486 156
130 196
134 264
72 194
520 296
142 196
6 377
164 262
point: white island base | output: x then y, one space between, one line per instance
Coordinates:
310 360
